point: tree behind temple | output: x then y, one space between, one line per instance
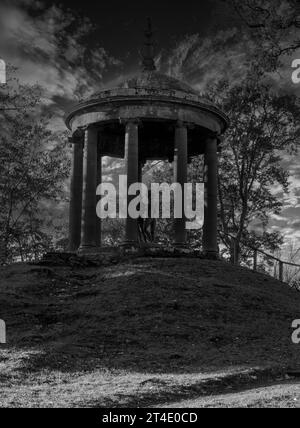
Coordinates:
264 126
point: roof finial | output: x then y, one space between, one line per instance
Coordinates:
148 48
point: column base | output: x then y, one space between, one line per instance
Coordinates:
211 255
89 249
180 245
73 249
130 248
130 244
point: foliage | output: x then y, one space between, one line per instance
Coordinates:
34 166
264 126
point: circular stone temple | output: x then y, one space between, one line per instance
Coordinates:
150 116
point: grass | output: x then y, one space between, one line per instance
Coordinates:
140 333
280 395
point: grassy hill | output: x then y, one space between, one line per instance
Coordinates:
140 332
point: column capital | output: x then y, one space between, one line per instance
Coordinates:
91 127
181 124
213 135
221 139
77 137
131 121
211 140
81 131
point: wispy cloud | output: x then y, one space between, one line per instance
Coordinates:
50 46
204 61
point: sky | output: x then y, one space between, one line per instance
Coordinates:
95 42
75 48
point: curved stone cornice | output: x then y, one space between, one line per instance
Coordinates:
120 97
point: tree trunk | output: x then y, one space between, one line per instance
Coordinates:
234 251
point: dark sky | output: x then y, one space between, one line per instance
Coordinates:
120 24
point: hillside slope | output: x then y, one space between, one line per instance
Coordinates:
134 332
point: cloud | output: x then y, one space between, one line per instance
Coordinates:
54 48
205 61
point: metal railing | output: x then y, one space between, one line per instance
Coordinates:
279 264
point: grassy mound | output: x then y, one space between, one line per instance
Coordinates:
131 333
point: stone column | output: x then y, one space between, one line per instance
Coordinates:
76 194
140 171
132 166
99 181
210 228
180 176
88 225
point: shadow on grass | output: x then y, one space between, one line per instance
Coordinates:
151 330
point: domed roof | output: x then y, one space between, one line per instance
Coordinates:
153 80
149 94
150 78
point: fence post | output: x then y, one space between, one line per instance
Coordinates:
255 260
235 252
2 252
280 271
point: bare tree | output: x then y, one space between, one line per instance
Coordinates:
274 24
